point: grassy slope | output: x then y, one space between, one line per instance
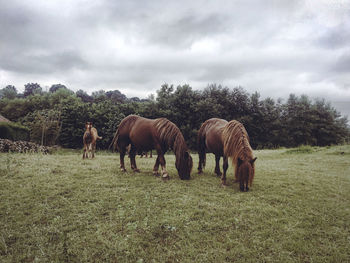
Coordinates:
59 208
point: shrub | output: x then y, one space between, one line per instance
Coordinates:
13 131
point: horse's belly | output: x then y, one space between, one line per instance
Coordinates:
214 144
142 140
215 149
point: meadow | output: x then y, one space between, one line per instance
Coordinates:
60 208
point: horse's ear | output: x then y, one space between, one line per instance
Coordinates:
239 161
252 161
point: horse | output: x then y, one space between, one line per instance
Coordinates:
145 154
89 139
228 140
146 134
139 152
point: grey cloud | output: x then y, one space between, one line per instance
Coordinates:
43 63
336 36
135 46
342 64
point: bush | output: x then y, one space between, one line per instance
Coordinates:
13 131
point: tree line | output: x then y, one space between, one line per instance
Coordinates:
57 116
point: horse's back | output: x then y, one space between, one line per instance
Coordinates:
138 131
142 134
213 135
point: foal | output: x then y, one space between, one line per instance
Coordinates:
89 139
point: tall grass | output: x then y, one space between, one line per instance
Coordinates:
60 208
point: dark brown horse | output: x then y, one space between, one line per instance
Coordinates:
227 140
146 134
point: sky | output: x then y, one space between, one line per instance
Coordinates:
274 47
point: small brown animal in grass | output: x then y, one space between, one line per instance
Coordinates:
89 139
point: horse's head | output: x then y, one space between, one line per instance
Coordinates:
88 126
184 166
245 173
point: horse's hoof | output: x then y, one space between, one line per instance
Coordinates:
223 185
156 174
123 169
200 171
136 170
165 176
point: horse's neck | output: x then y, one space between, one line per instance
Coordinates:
179 145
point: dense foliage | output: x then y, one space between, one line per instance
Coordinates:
58 116
13 131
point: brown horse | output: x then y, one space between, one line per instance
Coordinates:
89 139
227 139
147 134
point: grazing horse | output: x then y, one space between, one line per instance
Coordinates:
89 139
229 140
147 134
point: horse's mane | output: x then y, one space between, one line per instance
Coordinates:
170 135
236 145
236 142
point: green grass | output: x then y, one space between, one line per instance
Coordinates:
60 208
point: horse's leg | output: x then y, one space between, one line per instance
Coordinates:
88 150
133 160
217 165
225 166
84 153
156 167
236 173
201 154
122 155
93 148
162 162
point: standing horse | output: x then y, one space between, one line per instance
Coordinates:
227 139
89 139
147 134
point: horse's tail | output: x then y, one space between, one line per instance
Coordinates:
127 121
201 147
114 141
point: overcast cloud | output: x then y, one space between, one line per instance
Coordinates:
274 47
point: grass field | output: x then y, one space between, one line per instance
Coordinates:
60 208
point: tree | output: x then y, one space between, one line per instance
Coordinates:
117 97
9 92
45 126
56 87
99 96
32 89
84 96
